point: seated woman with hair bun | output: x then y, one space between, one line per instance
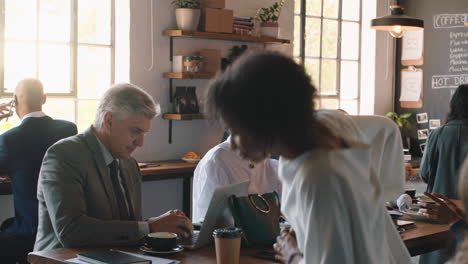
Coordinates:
266 101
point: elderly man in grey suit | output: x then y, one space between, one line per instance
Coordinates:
89 186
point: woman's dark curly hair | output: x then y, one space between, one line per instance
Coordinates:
459 104
267 94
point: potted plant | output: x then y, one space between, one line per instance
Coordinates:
404 124
187 14
268 18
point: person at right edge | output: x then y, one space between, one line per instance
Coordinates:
445 151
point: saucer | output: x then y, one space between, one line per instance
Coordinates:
152 251
191 160
425 199
416 215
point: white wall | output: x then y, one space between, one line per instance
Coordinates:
187 136
384 65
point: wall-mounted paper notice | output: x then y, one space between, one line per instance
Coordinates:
411 85
412 48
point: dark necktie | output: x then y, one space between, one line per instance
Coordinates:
119 195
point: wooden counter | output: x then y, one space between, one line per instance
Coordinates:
155 171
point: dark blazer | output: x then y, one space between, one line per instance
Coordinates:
77 204
22 149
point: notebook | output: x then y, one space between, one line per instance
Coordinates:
111 257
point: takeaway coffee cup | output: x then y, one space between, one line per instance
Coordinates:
227 243
161 241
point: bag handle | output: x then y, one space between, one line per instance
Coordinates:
267 211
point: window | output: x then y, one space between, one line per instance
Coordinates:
327 36
67 44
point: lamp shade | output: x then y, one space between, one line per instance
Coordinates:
397 23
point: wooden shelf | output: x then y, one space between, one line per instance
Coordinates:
224 36
189 75
169 116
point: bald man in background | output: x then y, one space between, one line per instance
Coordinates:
22 149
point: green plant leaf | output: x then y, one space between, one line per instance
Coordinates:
399 123
390 115
405 115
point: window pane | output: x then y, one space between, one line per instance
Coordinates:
20 63
60 108
94 21
330 8
350 40
350 106
54 20
327 103
350 10
94 71
20 19
349 80
87 111
314 7
54 68
297 6
312 68
328 82
297 35
329 38
312 37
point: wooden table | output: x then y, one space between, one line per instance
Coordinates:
156 171
427 237
202 256
424 238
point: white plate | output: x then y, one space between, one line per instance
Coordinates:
415 215
151 251
191 160
425 199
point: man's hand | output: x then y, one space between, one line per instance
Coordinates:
443 211
5 110
286 247
173 221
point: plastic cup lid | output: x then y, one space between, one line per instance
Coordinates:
229 232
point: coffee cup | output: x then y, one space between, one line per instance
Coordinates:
411 192
161 241
227 243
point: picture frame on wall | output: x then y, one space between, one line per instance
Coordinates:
423 134
421 118
434 124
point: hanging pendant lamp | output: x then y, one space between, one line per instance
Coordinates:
397 23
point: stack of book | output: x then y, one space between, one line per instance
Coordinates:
243 25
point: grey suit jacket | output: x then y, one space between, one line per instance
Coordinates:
77 205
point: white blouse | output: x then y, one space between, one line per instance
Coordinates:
221 166
330 203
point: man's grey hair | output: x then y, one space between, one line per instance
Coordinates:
123 100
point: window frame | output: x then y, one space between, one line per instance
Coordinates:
73 44
302 50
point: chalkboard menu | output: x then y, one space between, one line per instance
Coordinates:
445 55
